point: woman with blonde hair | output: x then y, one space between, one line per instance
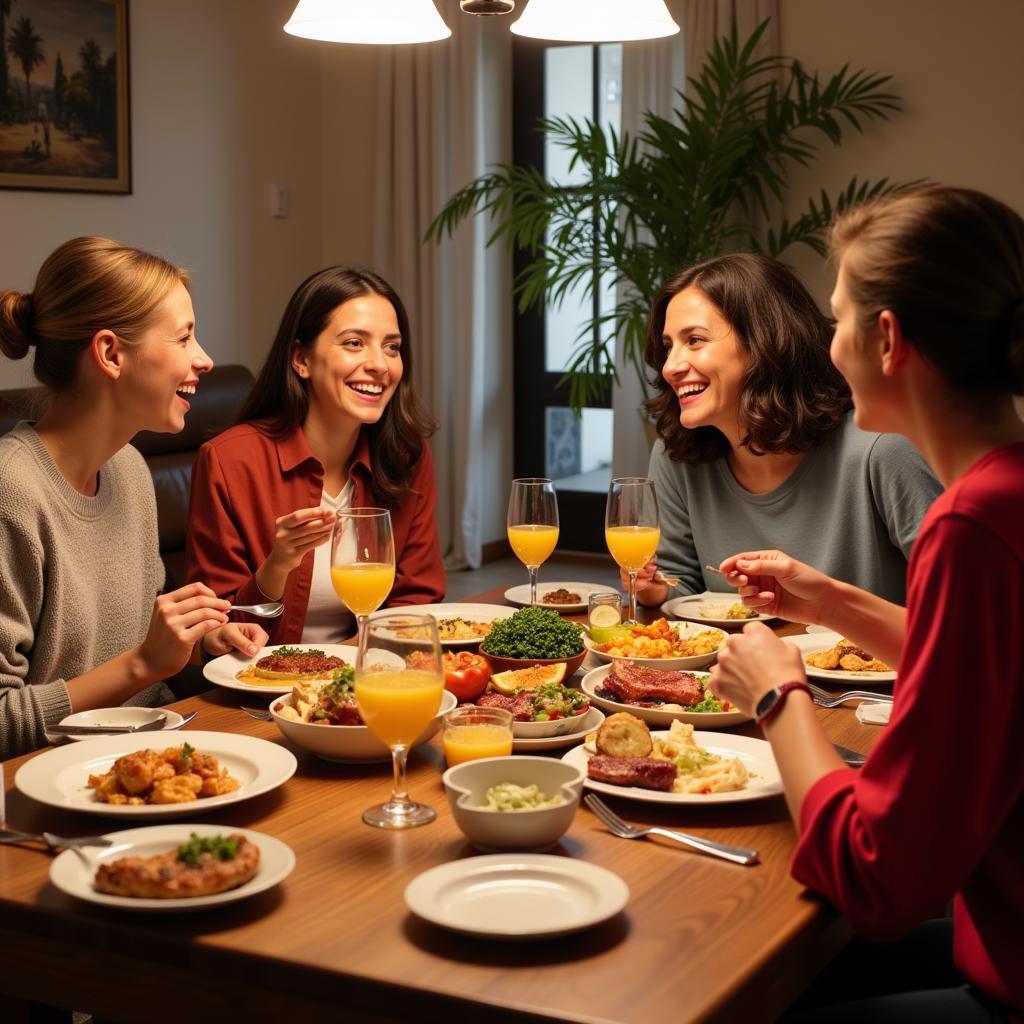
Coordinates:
81 625
929 307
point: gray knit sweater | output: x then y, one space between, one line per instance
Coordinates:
78 577
852 509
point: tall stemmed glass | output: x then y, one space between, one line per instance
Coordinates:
362 560
632 527
399 684
532 524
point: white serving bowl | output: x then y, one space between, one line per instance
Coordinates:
555 727
539 829
684 629
348 744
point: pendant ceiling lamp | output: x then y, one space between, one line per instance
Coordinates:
595 21
368 21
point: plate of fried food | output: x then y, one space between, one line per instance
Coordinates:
278 669
679 766
659 697
712 609
458 625
570 598
136 776
833 658
680 646
173 868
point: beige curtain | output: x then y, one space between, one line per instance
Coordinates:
653 74
444 115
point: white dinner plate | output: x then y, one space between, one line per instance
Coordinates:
223 671
755 754
594 680
121 716
689 608
60 777
73 871
810 643
521 595
588 723
470 612
516 895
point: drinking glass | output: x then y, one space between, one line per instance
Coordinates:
604 609
632 527
399 685
471 732
532 524
362 560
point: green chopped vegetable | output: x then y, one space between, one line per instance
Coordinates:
534 633
343 679
217 846
285 652
507 796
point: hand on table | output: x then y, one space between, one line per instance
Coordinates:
752 663
774 584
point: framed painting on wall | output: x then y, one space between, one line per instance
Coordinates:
64 104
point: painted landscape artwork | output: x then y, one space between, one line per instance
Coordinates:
64 114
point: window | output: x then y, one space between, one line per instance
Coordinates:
583 82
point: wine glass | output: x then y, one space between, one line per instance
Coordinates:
532 524
632 527
399 685
362 560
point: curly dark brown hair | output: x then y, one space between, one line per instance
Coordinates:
792 397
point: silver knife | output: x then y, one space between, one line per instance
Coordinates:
851 757
100 730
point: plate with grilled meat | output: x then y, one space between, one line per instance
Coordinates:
173 868
563 597
659 697
834 659
278 669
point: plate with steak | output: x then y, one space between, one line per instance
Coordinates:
173 868
659 697
278 669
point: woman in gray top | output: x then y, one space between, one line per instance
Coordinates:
757 444
113 334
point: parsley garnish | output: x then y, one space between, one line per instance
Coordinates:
219 847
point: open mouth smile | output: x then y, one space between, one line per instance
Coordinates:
687 393
370 392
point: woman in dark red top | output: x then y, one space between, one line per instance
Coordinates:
333 422
929 307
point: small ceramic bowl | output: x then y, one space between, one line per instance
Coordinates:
498 664
682 664
536 829
553 727
348 744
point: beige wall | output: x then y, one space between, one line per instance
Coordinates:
957 68
224 104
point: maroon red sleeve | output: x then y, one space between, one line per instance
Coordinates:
419 576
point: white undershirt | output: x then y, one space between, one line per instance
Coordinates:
328 621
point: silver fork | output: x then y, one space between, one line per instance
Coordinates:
618 827
52 841
824 699
263 716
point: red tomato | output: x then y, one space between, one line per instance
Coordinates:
465 674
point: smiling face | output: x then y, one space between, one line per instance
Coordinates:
705 363
355 364
165 365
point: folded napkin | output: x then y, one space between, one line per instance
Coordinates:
873 714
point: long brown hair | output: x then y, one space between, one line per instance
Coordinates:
280 398
792 396
86 285
949 262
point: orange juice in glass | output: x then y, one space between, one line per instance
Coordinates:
632 527
363 586
532 524
471 733
399 685
632 546
362 559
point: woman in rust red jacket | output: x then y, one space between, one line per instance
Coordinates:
333 422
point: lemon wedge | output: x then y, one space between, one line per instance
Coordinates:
605 615
528 678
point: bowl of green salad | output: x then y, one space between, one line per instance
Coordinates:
533 636
513 803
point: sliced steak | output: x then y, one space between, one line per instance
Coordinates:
645 772
634 684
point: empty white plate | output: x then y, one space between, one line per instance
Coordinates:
121 716
516 896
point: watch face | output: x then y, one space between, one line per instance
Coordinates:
766 703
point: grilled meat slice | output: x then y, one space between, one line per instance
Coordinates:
300 664
645 772
521 704
634 684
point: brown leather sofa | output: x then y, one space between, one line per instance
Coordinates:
170 456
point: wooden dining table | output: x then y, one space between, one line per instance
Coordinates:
699 940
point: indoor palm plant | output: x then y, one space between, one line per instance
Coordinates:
684 189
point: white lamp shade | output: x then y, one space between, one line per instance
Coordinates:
595 21
368 21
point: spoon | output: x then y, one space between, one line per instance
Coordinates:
267 610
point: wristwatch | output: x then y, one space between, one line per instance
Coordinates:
771 703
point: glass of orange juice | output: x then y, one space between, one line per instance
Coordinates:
399 685
532 524
362 559
632 527
471 732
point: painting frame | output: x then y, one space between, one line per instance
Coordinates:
75 134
